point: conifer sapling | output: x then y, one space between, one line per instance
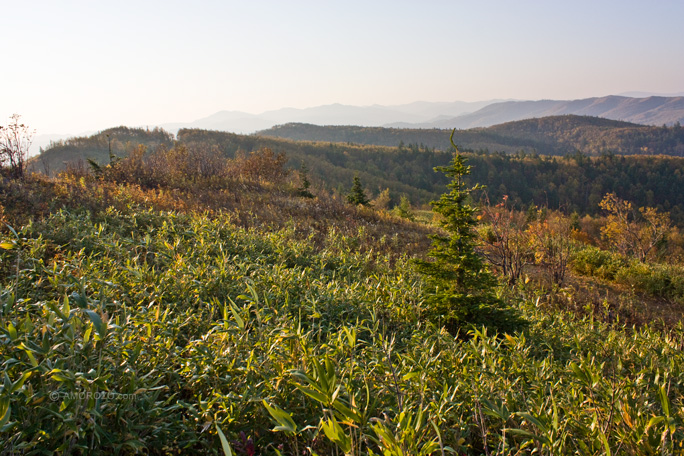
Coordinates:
459 288
357 195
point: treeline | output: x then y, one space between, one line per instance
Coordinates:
556 135
562 135
377 136
577 183
573 183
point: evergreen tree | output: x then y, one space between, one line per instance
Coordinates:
357 195
459 287
403 210
303 191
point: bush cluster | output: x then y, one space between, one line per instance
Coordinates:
659 280
593 261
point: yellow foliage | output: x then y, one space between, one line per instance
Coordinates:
552 238
632 233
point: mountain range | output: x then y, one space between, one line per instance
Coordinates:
652 110
645 110
334 114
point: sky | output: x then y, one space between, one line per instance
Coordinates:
76 66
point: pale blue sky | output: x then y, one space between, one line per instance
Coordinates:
73 66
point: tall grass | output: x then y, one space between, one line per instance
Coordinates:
144 331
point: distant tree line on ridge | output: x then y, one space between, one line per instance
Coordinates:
574 183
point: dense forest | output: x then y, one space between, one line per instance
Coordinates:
556 135
573 182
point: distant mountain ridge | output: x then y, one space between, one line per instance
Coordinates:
333 114
553 135
653 110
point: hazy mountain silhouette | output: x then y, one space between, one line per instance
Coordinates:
651 110
333 114
648 111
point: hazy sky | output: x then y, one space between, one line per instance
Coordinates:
73 66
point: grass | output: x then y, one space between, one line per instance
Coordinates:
134 322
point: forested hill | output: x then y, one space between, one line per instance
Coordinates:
557 135
575 182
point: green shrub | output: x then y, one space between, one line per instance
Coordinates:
593 261
660 280
665 281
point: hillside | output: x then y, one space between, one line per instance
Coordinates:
178 302
575 182
556 135
589 135
118 141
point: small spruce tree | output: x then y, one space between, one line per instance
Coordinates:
459 288
357 195
304 191
403 210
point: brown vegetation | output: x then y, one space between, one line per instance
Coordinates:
254 190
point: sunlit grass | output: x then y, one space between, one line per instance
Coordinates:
195 318
189 321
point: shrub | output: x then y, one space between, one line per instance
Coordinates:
404 210
665 281
262 165
15 141
551 236
593 261
357 195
